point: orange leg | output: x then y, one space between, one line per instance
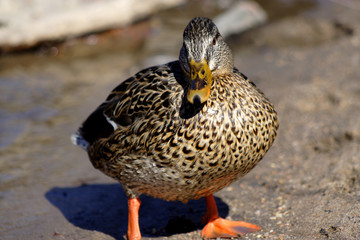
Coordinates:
219 227
133 219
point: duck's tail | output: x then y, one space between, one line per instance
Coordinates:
96 126
78 140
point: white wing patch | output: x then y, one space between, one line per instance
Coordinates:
113 124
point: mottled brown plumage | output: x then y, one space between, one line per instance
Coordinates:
154 141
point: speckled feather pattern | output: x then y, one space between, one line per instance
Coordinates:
157 151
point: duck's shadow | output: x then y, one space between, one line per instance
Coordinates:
103 207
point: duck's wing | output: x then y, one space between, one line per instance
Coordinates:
130 102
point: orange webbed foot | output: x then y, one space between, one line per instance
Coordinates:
219 227
223 228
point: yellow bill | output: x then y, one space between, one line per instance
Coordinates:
200 82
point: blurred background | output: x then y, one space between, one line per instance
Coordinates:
60 59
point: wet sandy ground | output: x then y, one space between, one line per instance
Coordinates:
307 187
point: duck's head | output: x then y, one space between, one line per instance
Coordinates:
203 56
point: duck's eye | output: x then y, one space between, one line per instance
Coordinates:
214 41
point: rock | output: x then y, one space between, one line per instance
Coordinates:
241 17
23 24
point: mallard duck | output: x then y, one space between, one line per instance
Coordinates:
182 130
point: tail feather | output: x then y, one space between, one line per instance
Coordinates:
78 140
96 126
